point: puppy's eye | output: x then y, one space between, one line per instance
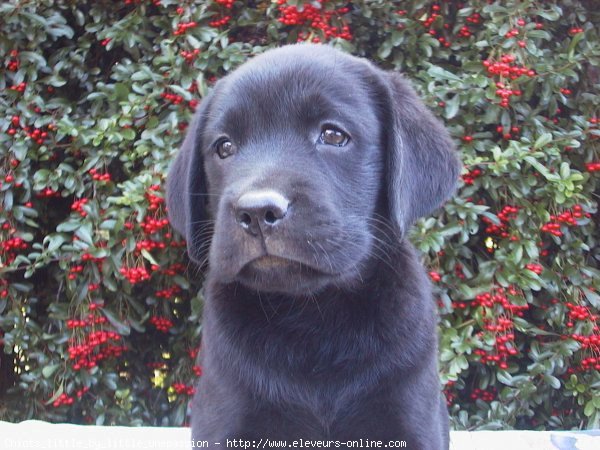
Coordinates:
332 136
224 148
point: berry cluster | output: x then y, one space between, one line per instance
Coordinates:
96 346
474 19
189 56
433 22
317 19
593 166
449 393
64 399
458 271
220 22
172 98
488 300
150 225
514 32
575 30
181 388
505 68
155 200
13 63
568 218
10 247
503 343
38 135
4 292
471 175
82 323
153 227
135 274
175 269
176 99
89 257
500 325
226 3
591 342
579 313
137 2
590 363
483 394
9 178
197 370
168 293
508 213
429 23
148 245
535 268
47 193
506 93
73 271
435 276
162 324
19 87
182 27
508 133
78 206
97 176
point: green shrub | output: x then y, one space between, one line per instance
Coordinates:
98 319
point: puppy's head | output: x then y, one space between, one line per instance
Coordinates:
294 161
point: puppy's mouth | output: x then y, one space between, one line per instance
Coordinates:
277 265
271 273
271 262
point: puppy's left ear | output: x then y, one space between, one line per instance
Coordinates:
422 163
186 185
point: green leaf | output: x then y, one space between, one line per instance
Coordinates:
543 140
504 377
589 409
57 394
122 328
84 233
439 73
552 381
48 371
146 254
452 106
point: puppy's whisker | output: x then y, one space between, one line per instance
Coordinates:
200 194
203 222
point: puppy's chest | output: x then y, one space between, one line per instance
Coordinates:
320 367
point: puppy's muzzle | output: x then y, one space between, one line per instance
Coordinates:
257 212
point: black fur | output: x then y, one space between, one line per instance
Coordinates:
321 325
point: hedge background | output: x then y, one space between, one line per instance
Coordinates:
98 319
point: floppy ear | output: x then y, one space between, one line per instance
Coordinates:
186 188
423 165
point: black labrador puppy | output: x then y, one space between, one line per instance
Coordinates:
296 182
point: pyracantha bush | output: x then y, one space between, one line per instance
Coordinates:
99 309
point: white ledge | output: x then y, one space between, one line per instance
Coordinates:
34 434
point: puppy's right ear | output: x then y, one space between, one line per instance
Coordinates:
423 164
186 187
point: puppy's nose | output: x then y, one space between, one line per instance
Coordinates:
260 210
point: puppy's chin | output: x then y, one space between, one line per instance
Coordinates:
274 274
